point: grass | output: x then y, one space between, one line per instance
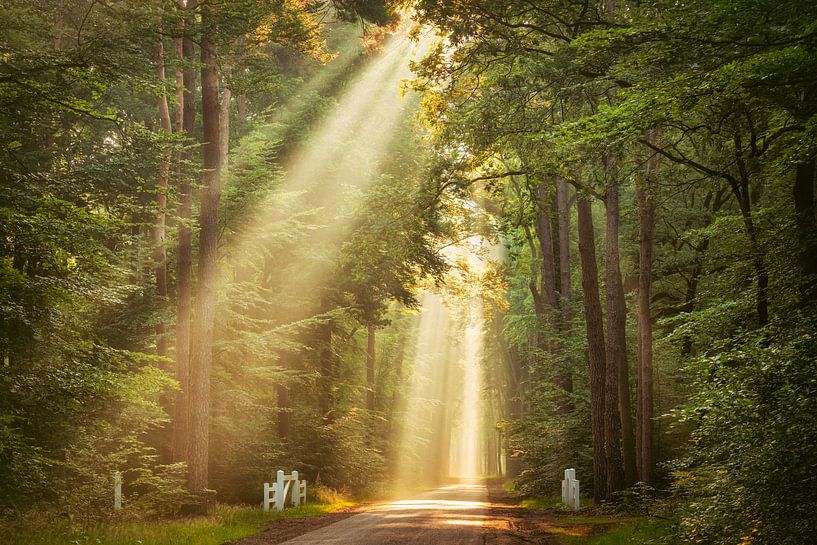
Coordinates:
549 502
226 523
601 530
640 531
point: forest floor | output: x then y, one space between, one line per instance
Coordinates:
468 513
478 513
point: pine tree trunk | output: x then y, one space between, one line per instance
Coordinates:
595 345
159 249
202 349
242 107
565 288
180 87
225 102
184 264
544 231
645 197
618 429
618 419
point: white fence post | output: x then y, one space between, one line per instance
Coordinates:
570 490
275 494
117 491
296 489
279 490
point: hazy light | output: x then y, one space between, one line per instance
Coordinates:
327 175
466 457
426 388
444 411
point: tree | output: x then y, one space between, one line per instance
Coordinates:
595 347
184 257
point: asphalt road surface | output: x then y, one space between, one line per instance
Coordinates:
451 515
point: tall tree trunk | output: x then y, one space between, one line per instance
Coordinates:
645 197
159 249
806 229
202 349
225 101
158 240
370 362
180 86
242 107
618 421
618 385
184 265
544 230
595 348
565 288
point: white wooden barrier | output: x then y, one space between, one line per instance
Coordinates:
275 494
570 489
117 491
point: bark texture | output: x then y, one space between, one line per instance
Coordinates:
159 249
184 263
645 197
617 399
595 344
565 288
202 349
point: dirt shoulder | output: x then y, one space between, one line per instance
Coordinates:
279 531
511 524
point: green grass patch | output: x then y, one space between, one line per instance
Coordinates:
552 502
597 521
642 531
226 523
549 502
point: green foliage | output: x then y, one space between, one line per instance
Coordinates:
752 471
225 524
559 91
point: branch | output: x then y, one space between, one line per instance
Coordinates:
689 162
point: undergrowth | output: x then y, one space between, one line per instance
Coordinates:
226 523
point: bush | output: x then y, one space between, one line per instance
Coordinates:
752 474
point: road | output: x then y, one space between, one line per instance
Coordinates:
454 515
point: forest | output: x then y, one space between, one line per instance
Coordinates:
400 244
